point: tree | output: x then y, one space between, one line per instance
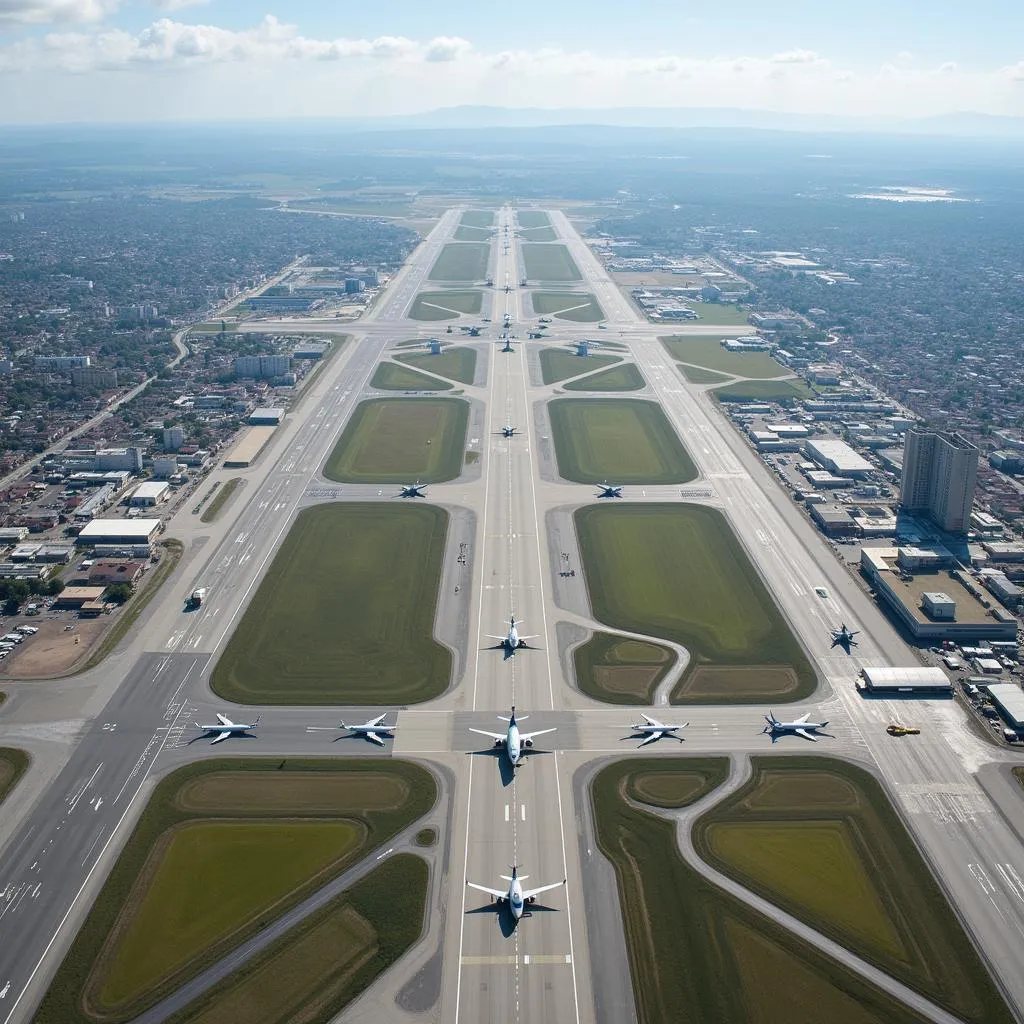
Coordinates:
118 593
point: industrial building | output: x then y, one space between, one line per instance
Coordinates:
164 467
838 457
119 531
917 680
150 493
1009 699
939 474
266 417
248 449
75 597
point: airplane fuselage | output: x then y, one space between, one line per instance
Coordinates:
515 899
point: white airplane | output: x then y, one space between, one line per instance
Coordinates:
225 727
512 739
516 896
372 730
655 729
800 726
512 641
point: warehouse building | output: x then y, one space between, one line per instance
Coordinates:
245 453
149 494
266 417
1009 699
837 456
134 532
886 681
75 597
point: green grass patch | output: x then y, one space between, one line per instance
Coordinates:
581 307
395 440
477 219
720 313
223 494
557 364
624 440
13 764
544 234
784 391
392 377
345 615
818 838
625 377
532 218
696 954
546 261
461 261
454 362
426 837
679 572
709 353
445 305
314 971
467 234
239 867
698 375
621 670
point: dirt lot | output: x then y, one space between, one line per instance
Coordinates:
53 651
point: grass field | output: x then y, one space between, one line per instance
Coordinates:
580 307
709 353
321 965
698 375
454 362
477 219
678 572
395 440
467 234
345 614
764 391
558 363
818 838
461 261
13 764
546 261
392 377
223 495
620 670
697 955
542 234
241 865
722 313
532 218
625 377
623 440
445 305
426 837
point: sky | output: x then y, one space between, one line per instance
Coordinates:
153 60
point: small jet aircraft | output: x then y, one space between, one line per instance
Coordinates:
373 730
512 641
843 637
412 490
516 896
608 490
509 431
225 728
800 726
514 741
655 730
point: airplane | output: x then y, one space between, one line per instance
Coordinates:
512 739
843 637
372 730
610 490
509 431
225 727
655 729
800 726
412 490
512 641
515 896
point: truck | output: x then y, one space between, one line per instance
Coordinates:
897 729
195 599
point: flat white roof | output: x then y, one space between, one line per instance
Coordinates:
839 452
150 489
915 678
1010 699
140 529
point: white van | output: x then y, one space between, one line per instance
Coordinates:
28 630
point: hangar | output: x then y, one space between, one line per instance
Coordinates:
119 531
918 680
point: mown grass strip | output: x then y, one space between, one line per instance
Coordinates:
13 764
223 494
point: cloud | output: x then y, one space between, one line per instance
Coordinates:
795 57
169 6
446 48
42 12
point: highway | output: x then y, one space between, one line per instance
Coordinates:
102 739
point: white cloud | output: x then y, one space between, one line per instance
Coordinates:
795 57
446 48
43 12
169 6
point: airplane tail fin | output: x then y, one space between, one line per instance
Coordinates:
344 725
257 722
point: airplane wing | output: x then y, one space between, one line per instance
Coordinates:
491 636
223 719
539 732
802 718
493 735
806 735
378 719
527 893
650 739
649 720
374 738
533 637
501 893
221 736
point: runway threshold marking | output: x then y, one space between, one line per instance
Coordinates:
489 961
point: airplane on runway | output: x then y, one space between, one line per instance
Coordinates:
516 896
412 490
655 729
608 490
514 741
509 431
225 727
372 730
843 637
800 726
512 641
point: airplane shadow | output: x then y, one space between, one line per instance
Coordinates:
506 772
506 922
784 735
207 735
641 735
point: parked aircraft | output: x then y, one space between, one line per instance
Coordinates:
412 490
843 637
372 730
512 641
800 726
509 431
225 727
608 490
512 739
655 729
516 896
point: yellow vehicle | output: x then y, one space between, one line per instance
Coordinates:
902 730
